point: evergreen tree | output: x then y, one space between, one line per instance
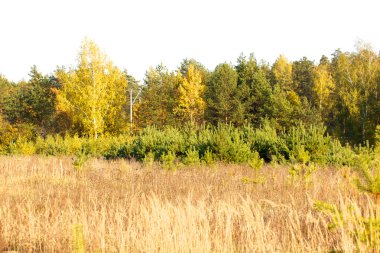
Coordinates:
32 102
222 95
158 98
303 79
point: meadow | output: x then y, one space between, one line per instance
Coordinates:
49 205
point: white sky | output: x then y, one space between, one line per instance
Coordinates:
142 33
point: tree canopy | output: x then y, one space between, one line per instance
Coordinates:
93 93
92 98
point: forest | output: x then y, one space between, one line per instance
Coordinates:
92 99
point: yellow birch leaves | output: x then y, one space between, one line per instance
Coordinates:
282 70
191 103
93 93
323 86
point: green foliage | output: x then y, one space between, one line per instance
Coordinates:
222 95
367 167
159 142
332 211
208 157
301 173
168 161
377 136
192 157
149 159
259 179
116 147
158 98
191 144
229 144
7 134
31 103
80 159
356 76
340 155
255 162
300 155
362 227
267 142
303 78
308 143
296 102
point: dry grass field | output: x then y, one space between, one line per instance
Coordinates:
126 207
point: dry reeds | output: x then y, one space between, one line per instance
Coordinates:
125 207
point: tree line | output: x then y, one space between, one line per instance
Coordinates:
92 99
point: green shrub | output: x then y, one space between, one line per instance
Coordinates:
80 159
362 227
299 155
192 157
340 155
301 173
255 162
148 159
25 148
208 157
159 142
223 142
229 144
116 147
367 167
267 142
168 161
73 144
308 144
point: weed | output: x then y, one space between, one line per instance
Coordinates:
78 239
255 162
301 173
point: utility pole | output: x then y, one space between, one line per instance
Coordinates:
131 108
131 102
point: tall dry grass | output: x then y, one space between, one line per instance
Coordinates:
125 207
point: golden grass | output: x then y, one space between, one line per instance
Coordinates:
124 207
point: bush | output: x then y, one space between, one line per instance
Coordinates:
339 155
168 161
192 157
255 162
229 144
367 167
267 142
208 157
360 223
149 159
223 142
158 142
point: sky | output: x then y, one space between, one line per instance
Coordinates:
139 34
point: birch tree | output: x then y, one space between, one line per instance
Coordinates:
191 103
94 92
